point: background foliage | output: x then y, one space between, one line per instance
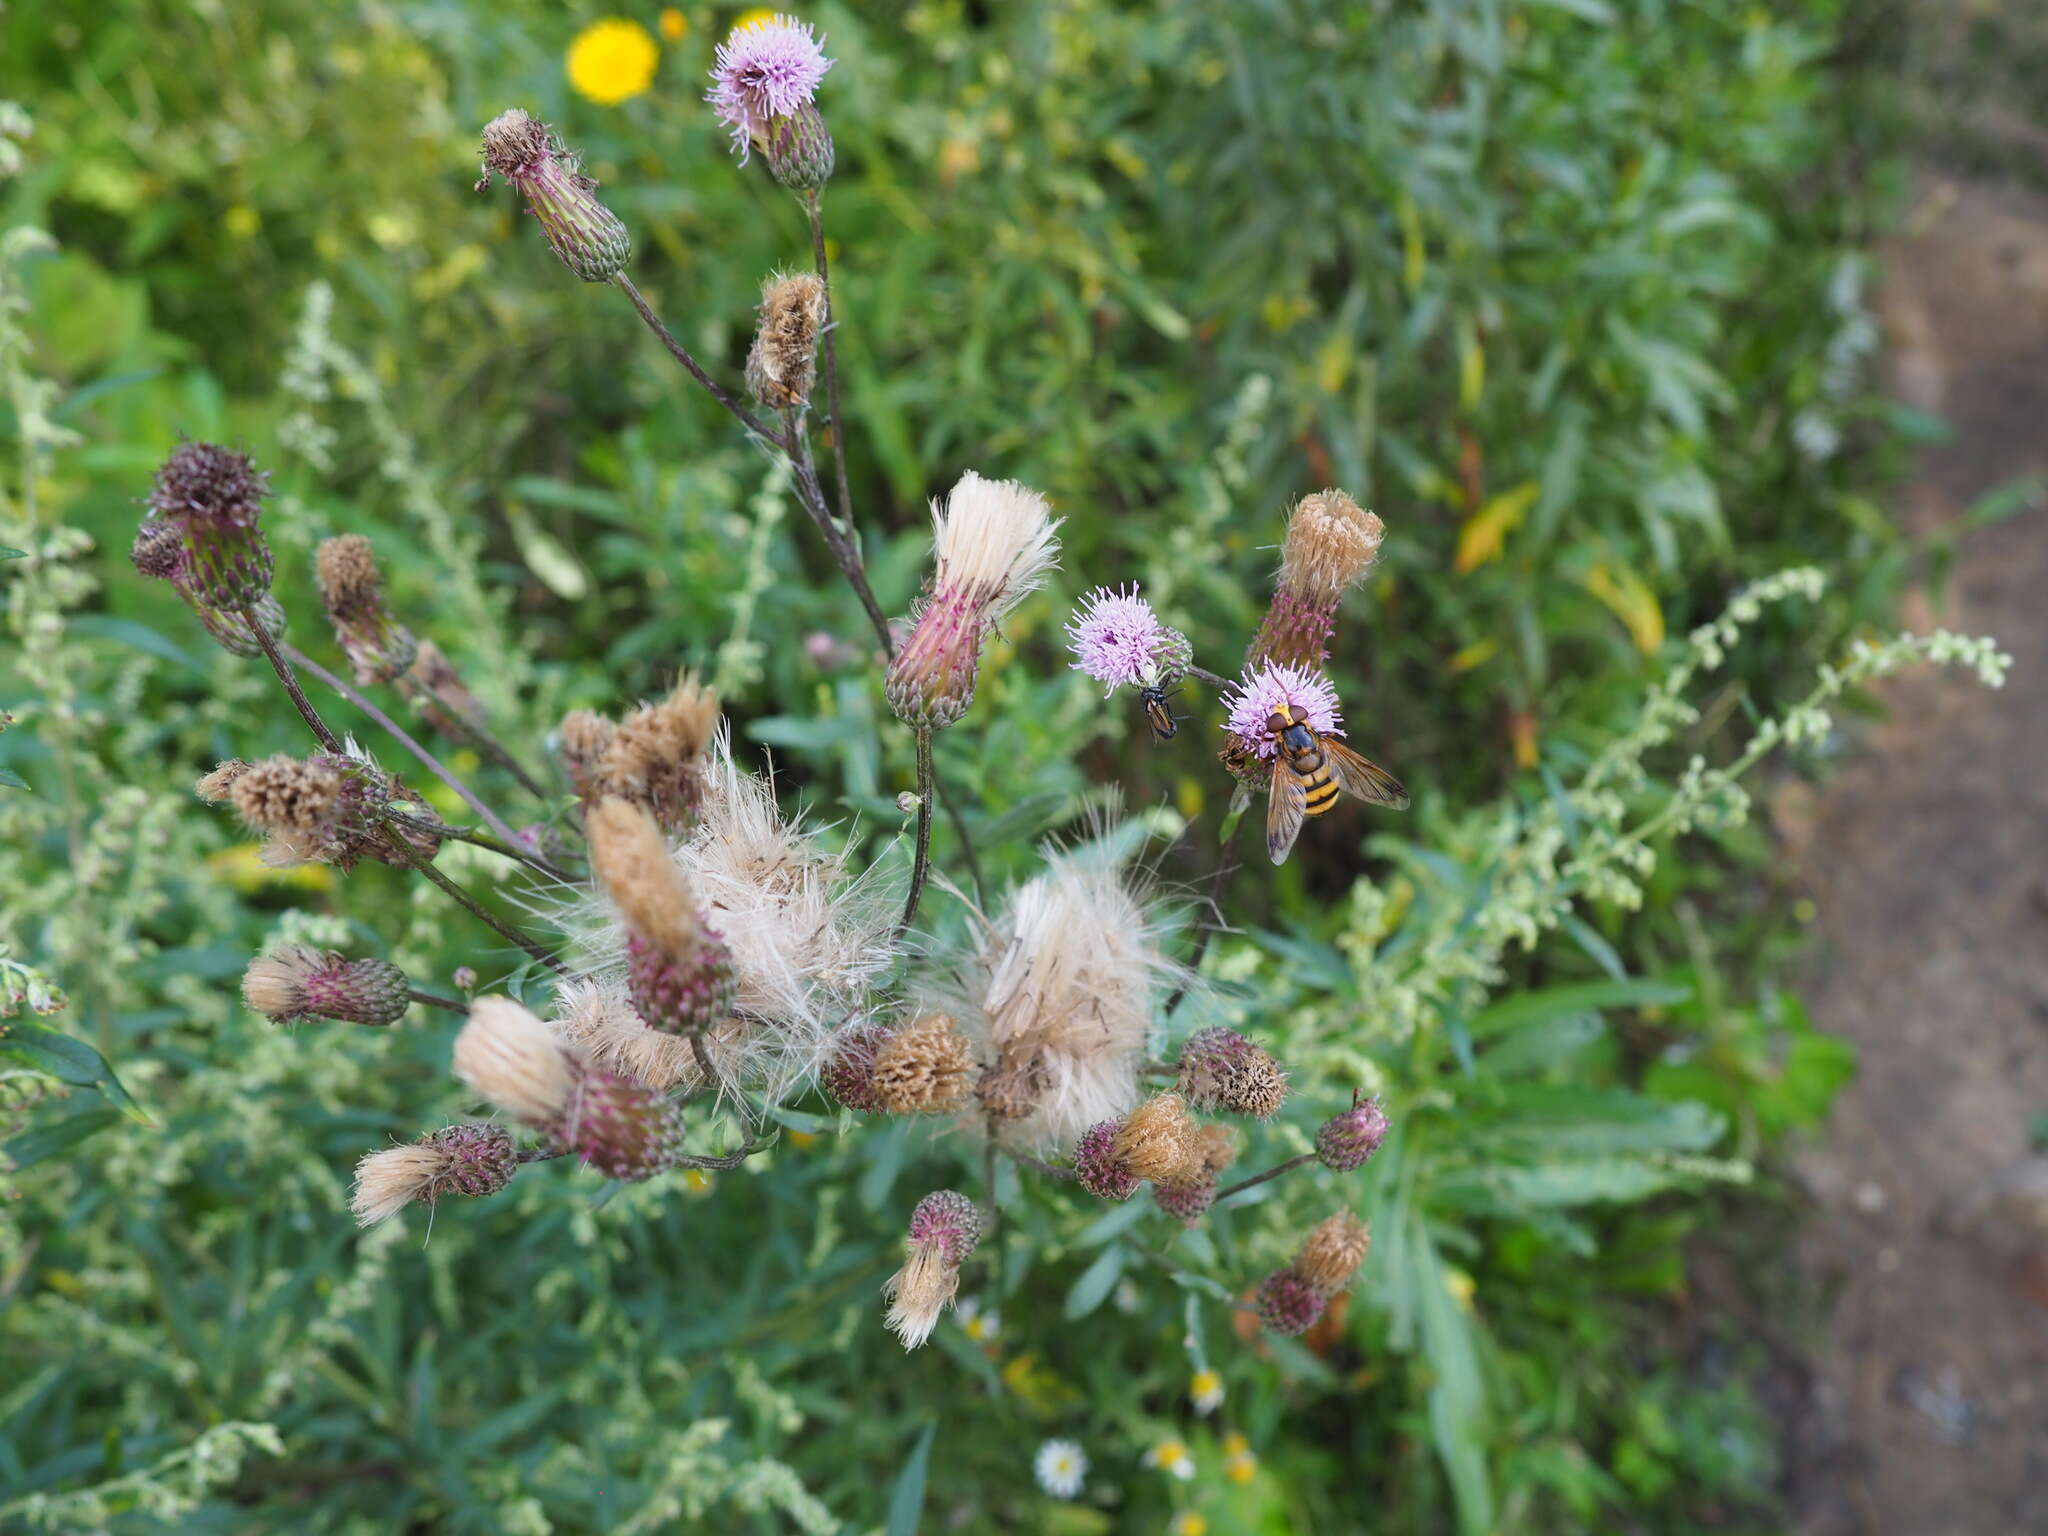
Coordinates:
1570 293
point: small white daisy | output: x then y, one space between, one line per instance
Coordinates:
1206 1391
1060 1466
981 1323
1172 1458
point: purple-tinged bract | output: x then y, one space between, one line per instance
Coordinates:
948 1223
1344 1142
1097 1167
1288 1304
1186 1200
1263 690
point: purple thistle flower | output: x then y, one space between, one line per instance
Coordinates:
1118 640
1263 690
764 71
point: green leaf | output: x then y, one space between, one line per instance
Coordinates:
12 780
140 637
12 554
69 1060
1580 997
48 1140
1095 1284
906 1504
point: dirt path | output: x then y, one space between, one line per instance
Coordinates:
1927 1411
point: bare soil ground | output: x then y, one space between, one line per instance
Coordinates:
1925 1406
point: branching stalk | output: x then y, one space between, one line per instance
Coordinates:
1259 1178
921 865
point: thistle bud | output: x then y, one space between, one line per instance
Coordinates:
993 542
231 631
656 755
325 809
1344 1142
922 1069
623 1129
849 1075
378 647
439 692
1220 1069
1288 1304
585 234
943 1231
584 737
782 367
1187 1200
1332 1253
1097 1167
679 972
1331 543
299 982
1157 1141
474 1160
213 497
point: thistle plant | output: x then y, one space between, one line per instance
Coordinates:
695 962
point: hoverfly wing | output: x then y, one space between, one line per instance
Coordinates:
1289 802
1365 779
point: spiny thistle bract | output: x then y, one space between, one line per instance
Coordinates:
1097 1167
1220 1069
923 1068
1345 1141
202 536
849 1075
1157 1140
1186 1199
586 235
1288 1304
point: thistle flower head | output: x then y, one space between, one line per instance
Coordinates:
1332 1253
1344 1142
782 366
213 497
655 757
1331 543
599 1019
1288 1304
230 630
1187 1199
1065 983
923 1068
474 1160
849 1073
622 1128
299 982
1119 641
765 71
322 809
584 736
807 937
1260 693
679 972
1097 1167
378 647
943 1231
993 541
580 230
1157 1140
1220 1069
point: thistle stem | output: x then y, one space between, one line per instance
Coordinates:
1206 676
814 208
1259 1178
481 840
966 843
399 843
681 354
1225 868
1039 1165
427 759
283 669
436 1000
926 793
838 534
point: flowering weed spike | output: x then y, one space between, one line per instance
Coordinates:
585 234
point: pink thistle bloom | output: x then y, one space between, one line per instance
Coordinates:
764 71
1263 690
1118 640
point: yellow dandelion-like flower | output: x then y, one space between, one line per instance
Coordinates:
612 61
1188 1523
675 26
753 18
1206 1391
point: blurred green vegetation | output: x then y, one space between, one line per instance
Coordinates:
1571 293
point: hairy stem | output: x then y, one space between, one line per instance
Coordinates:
1040 1165
436 1000
285 675
1259 1178
427 759
926 793
1206 676
838 534
471 835
682 355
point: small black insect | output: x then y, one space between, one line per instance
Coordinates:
1164 721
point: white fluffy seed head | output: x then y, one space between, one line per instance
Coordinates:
511 1059
1065 984
995 539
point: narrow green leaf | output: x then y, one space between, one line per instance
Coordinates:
1095 1284
69 1060
45 1141
12 779
906 1504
